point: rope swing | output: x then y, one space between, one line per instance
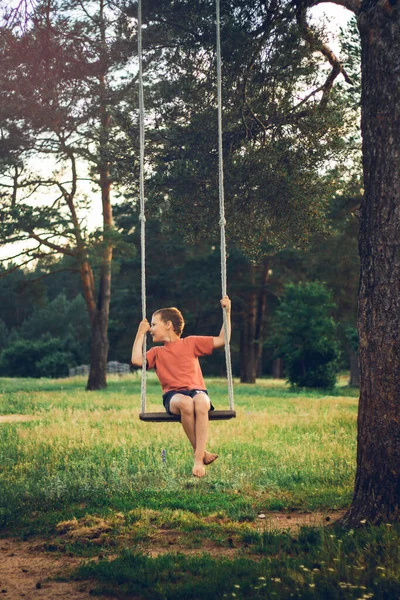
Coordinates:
215 414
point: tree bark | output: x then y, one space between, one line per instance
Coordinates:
354 380
248 367
377 486
98 352
252 331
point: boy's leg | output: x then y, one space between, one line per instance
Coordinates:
202 405
184 406
194 419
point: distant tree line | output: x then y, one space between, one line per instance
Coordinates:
44 327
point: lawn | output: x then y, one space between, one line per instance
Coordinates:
89 477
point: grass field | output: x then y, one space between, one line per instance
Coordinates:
87 476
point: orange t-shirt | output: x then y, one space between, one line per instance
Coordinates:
177 363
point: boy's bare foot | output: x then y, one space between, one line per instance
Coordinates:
198 469
209 458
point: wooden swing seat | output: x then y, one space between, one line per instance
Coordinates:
163 417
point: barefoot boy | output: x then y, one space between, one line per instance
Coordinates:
178 370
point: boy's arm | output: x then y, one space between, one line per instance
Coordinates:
137 349
219 341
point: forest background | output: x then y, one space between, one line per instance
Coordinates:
292 176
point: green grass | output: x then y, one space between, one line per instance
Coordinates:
285 450
316 564
86 474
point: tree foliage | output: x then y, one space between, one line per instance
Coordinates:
306 335
278 143
40 358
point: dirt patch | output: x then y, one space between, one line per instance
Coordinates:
17 418
294 520
28 571
90 530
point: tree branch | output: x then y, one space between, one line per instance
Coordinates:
352 5
49 274
56 247
19 14
22 253
311 37
16 267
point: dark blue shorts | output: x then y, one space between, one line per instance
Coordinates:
168 395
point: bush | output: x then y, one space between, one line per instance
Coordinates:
64 320
41 358
55 365
306 336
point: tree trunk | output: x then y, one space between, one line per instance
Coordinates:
377 487
354 380
99 330
98 353
277 369
99 324
261 308
248 366
252 331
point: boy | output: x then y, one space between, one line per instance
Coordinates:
178 370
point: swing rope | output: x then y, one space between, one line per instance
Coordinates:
222 221
142 216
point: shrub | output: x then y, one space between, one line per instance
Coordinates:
55 364
41 358
306 335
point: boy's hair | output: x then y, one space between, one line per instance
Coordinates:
174 315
